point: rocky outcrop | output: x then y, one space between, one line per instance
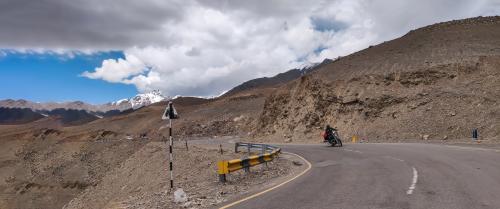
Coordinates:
447 99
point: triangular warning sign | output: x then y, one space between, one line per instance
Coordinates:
170 112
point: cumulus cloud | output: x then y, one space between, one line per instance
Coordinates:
119 70
203 48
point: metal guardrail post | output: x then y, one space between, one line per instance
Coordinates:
236 145
222 170
247 168
222 178
264 149
248 147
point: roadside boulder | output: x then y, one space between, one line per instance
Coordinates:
180 196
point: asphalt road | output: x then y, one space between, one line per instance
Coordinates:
390 176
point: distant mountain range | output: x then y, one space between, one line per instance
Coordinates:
135 102
71 113
18 115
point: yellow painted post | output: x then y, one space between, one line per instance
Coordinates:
222 170
354 138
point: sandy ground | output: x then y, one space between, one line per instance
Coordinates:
52 173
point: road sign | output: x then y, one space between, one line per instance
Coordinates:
170 112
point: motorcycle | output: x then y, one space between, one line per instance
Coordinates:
333 139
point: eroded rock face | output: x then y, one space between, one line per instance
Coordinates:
393 106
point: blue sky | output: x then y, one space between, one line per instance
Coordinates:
54 77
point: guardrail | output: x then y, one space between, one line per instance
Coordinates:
268 153
249 146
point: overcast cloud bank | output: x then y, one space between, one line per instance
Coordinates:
203 48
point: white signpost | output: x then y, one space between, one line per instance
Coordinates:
170 114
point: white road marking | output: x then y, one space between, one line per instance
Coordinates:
401 160
350 150
471 148
414 182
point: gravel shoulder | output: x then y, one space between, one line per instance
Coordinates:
142 180
52 172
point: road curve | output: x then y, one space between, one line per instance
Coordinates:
389 176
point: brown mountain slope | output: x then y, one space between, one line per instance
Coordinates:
437 82
275 81
457 41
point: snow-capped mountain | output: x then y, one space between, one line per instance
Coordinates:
307 65
119 102
71 113
140 100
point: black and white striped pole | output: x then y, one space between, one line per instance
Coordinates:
170 114
171 143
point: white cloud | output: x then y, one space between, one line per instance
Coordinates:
203 48
118 70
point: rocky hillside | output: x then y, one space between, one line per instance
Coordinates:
437 82
275 81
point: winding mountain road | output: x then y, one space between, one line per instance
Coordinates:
389 176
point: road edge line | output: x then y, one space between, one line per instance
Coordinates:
309 166
413 182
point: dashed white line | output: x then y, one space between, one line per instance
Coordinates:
471 148
413 182
350 150
401 160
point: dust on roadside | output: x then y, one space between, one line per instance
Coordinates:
142 180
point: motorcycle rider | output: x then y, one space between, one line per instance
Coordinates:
328 132
330 135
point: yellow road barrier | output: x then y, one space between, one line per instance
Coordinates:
225 167
354 139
